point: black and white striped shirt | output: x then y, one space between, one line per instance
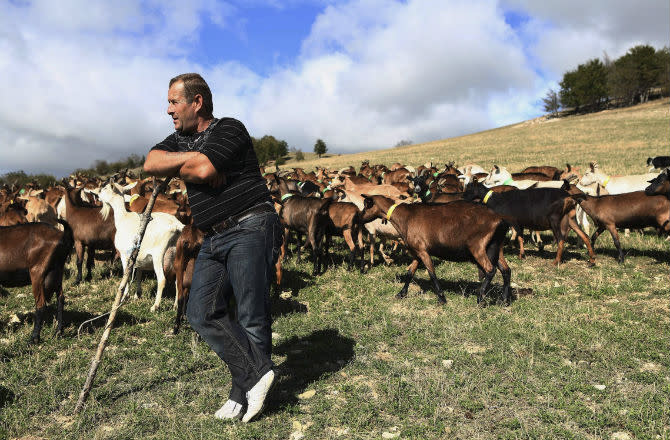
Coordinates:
227 144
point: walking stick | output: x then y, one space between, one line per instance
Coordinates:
144 221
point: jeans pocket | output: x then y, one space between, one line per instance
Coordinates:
258 222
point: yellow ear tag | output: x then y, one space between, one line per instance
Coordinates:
606 181
487 196
390 211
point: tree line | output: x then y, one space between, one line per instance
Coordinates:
641 74
268 148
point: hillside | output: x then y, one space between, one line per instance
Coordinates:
620 140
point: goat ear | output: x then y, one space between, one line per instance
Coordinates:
497 168
568 167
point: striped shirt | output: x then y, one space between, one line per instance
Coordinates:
227 145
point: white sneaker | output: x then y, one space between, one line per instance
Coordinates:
230 410
256 395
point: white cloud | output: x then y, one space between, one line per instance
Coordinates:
87 79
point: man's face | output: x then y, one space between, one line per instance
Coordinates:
184 114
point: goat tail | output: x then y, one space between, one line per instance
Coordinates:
66 242
501 231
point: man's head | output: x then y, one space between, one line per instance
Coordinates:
189 102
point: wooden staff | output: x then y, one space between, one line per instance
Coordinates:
144 221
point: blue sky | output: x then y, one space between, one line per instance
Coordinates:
261 37
89 77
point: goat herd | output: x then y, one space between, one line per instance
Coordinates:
447 213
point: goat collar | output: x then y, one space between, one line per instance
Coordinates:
606 181
436 173
390 211
508 181
286 196
133 198
427 193
487 196
328 188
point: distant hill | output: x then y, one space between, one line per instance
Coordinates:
620 140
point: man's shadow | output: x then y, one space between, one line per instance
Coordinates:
308 358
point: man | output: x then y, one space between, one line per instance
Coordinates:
232 206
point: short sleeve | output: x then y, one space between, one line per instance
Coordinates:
227 144
169 144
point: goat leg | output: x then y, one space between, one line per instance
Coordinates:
59 313
507 277
37 327
440 296
596 234
79 250
615 237
90 262
485 285
408 278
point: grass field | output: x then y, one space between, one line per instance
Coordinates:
581 353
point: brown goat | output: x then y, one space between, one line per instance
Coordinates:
397 176
634 210
305 215
42 250
345 221
188 246
90 230
441 230
12 213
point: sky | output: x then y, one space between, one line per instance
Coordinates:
87 80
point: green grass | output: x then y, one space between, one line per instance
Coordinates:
378 366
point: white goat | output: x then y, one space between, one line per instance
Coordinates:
616 184
500 176
161 233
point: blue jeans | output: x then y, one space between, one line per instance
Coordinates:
239 263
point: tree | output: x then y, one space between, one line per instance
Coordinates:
320 148
299 156
634 74
551 102
403 143
585 87
269 148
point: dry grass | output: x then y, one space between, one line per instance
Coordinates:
620 140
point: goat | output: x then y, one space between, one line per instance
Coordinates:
659 185
428 194
93 228
161 233
345 221
187 248
440 230
42 250
629 210
500 176
537 209
615 184
13 213
398 176
40 211
304 215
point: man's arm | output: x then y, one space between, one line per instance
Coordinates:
191 166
